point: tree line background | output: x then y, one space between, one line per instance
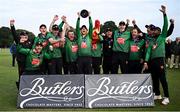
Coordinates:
6 38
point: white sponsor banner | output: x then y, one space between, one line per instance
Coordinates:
47 91
127 90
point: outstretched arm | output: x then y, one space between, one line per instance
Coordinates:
62 23
165 25
53 21
171 28
127 24
13 30
135 26
66 28
90 26
78 26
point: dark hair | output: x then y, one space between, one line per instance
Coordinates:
122 23
70 31
55 27
39 43
158 29
23 33
108 29
83 26
42 25
151 27
135 29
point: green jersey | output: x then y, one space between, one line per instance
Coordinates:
56 52
84 43
71 49
135 52
121 41
33 59
156 48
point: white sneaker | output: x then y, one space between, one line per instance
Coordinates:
157 97
165 101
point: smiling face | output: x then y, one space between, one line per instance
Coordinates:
43 30
71 35
23 38
38 48
122 27
55 32
109 34
150 32
84 31
134 33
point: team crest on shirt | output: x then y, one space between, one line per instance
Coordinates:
121 40
134 48
35 61
83 45
56 45
74 48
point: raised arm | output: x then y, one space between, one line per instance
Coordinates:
78 26
127 24
13 30
62 23
53 21
171 28
135 26
66 28
90 26
165 25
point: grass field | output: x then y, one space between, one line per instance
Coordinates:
8 91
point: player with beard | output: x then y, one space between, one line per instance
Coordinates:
135 52
156 57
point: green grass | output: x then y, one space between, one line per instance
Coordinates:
8 91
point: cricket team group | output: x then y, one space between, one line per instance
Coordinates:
84 50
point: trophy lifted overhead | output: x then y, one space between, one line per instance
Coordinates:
84 13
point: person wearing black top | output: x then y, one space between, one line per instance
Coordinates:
107 51
21 39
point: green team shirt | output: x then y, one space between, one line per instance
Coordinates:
156 48
33 60
137 54
121 41
97 48
71 48
42 39
84 43
56 53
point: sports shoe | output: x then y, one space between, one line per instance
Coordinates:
157 97
165 101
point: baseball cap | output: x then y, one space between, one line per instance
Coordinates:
55 27
23 33
151 26
108 29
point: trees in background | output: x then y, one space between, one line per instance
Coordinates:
6 38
